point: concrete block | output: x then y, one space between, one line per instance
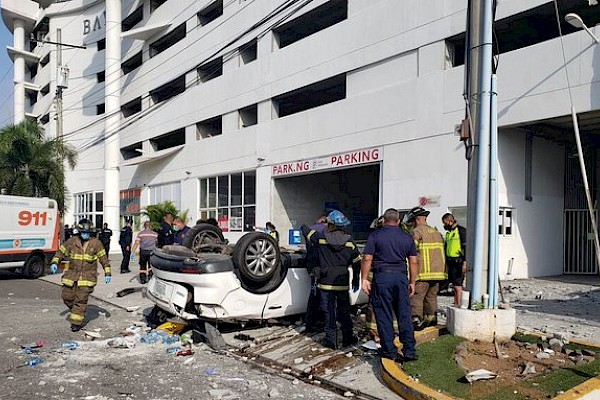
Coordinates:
482 324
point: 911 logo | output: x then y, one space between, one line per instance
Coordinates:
16 243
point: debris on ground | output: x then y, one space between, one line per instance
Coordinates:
480 375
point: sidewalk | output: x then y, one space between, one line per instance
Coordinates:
119 282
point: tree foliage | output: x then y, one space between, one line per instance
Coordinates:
33 165
156 212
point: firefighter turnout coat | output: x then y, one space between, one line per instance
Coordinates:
82 269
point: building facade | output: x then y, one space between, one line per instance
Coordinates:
260 110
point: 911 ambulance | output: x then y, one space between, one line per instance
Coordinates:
29 233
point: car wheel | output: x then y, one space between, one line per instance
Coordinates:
157 317
202 236
34 267
257 256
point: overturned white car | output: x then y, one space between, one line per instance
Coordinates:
211 280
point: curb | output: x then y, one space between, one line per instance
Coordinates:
406 387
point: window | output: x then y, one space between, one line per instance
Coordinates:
248 52
100 109
209 128
32 97
231 199
168 40
100 76
132 151
45 90
45 119
210 13
171 139
89 205
101 44
168 90
527 28
166 192
311 96
154 4
132 63
316 20
133 19
248 116
45 60
505 221
133 107
33 70
211 70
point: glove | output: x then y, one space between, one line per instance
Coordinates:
53 268
107 279
132 257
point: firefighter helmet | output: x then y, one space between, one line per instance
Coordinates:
336 218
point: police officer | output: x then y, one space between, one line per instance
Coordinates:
336 251
166 235
455 244
385 253
125 240
104 237
81 276
431 268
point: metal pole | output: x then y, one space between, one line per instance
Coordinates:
112 102
586 186
19 71
480 32
493 210
59 89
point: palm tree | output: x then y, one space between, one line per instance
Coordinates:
33 165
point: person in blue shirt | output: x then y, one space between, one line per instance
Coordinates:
181 229
386 253
165 235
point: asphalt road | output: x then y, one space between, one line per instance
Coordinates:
31 310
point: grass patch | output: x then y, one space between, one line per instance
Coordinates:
565 378
436 366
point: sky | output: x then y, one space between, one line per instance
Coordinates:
6 75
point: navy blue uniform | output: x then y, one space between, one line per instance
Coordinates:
390 248
125 239
180 235
165 235
313 314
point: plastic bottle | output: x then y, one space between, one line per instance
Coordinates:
171 339
150 338
173 349
70 345
33 362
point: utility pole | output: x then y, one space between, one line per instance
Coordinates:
59 85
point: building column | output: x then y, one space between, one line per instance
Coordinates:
19 71
112 90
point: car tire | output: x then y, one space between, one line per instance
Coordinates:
157 316
257 257
34 267
203 234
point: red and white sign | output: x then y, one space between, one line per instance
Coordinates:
340 160
223 223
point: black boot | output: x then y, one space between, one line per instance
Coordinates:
75 328
143 279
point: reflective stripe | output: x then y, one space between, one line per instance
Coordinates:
322 241
84 257
432 276
357 259
54 260
351 245
76 317
425 250
332 288
312 232
101 253
67 282
63 250
107 270
83 282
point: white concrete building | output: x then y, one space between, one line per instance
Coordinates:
277 110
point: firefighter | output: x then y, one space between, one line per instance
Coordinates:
336 251
80 277
431 268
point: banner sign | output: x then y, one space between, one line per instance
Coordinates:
340 160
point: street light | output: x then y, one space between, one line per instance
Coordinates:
578 23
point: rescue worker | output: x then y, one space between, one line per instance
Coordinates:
313 307
337 252
146 240
104 237
165 235
386 253
431 268
455 245
125 240
180 229
81 276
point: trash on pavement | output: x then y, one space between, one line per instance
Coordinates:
371 345
70 345
171 327
92 335
121 343
132 330
36 345
32 362
126 291
210 371
132 308
172 350
480 375
184 353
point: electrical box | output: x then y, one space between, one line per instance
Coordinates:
62 80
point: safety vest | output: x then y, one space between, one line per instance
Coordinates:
453 248
430 254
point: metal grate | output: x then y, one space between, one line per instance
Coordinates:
579 243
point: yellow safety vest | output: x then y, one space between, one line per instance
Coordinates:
453 248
